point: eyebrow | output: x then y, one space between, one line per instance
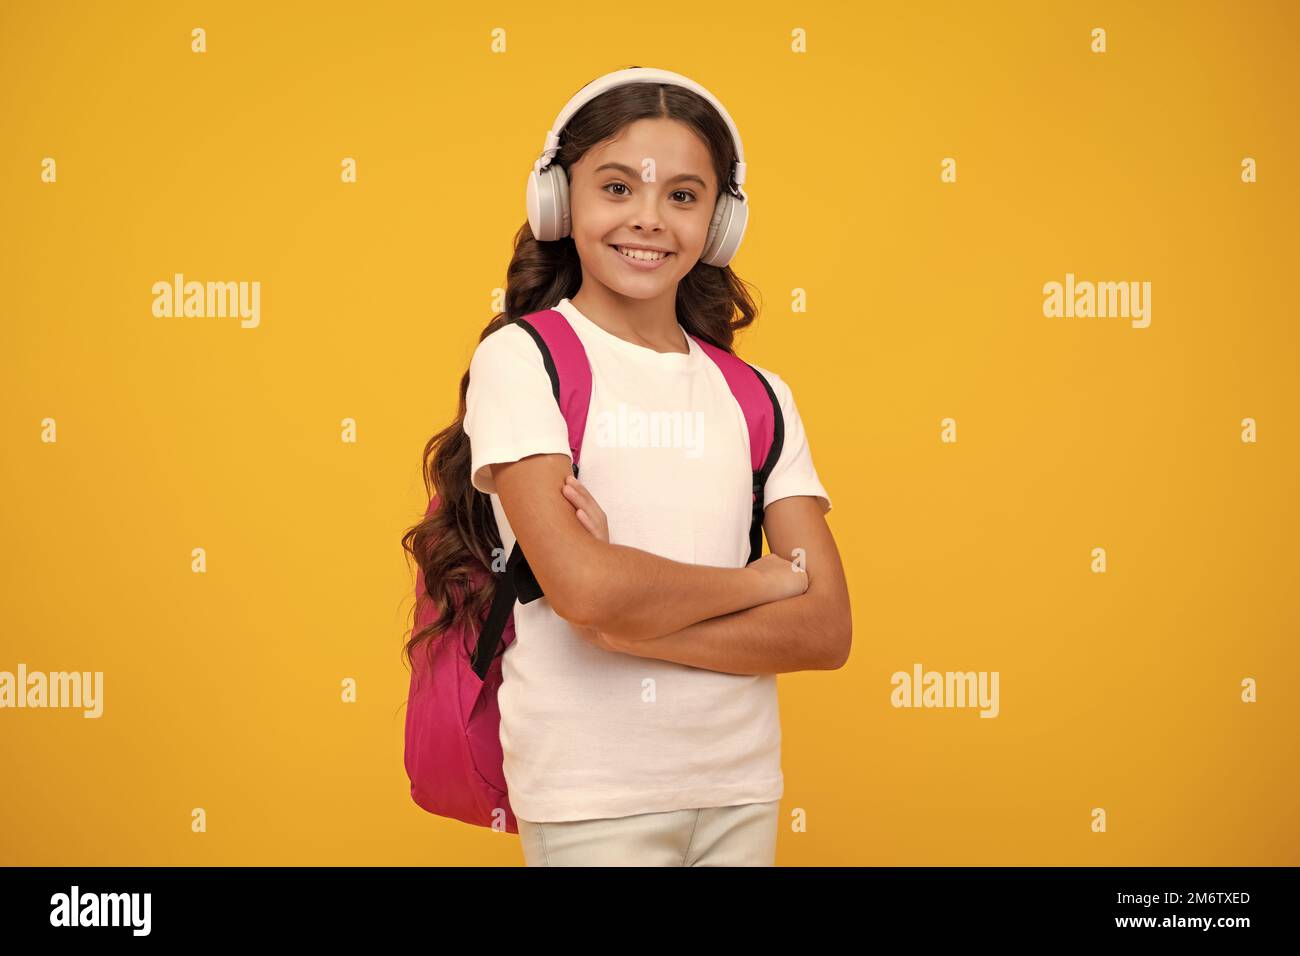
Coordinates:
629 171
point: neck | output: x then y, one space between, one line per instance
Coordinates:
650 323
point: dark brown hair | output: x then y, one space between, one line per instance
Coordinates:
457 539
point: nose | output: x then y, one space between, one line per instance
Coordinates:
646 218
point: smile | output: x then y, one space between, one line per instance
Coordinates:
642 259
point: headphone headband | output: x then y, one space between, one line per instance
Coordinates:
641 74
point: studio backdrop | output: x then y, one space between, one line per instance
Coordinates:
1028 268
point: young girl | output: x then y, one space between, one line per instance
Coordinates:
639 719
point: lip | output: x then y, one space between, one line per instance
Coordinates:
639 265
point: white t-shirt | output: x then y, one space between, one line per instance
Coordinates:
587 732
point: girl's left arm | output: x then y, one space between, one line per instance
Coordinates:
813 631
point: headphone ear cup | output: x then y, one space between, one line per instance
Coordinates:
726 229
548 203
560 177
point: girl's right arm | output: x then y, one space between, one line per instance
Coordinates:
615 588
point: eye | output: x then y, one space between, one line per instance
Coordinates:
628 192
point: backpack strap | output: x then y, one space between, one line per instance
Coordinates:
566 364
570 372
766 427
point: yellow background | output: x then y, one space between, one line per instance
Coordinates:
222 690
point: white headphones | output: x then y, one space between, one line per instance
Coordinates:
548 186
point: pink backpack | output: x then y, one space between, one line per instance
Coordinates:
453 748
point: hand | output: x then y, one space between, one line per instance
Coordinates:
593 519
782 576
589 512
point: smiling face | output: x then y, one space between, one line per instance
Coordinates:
613 206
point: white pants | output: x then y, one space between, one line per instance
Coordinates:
742 835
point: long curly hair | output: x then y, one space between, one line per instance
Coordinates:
453 545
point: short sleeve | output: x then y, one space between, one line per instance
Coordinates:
510 410
794 473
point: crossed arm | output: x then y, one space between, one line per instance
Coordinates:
768 617
812 631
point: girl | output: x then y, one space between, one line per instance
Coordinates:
639 719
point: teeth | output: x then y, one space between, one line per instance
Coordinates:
644 254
